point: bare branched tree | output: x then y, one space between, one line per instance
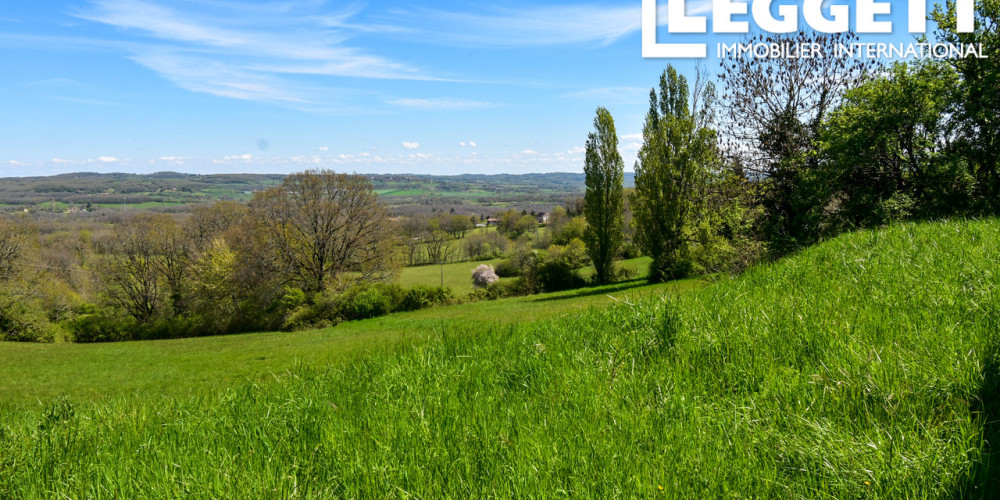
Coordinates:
327 228
774 108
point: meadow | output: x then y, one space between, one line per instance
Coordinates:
458 275
35 373
863 367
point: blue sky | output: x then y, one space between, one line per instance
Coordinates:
213 86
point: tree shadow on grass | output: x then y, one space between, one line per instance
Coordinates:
984 478
604 290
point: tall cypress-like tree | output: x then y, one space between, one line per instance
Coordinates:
603 202
670 178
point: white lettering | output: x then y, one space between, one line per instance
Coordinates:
679 22
789 22
918 16
867 10
722 17
813 12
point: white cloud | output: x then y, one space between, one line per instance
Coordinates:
523 27
530 26
244 157
245 51
473 144
108 159
324 148
411 145
470 144
443 104
630 95
631 137
576 150
529 152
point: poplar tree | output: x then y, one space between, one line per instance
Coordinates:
603 203
671 175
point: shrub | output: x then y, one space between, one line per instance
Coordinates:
362 302
498 290
507 268
421 297
557 275
484 276
90 328
368 301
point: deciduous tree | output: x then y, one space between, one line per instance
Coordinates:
670 178
775 108
325 228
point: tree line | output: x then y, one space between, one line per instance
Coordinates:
797 150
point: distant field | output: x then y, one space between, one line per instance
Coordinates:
466 192
33 372
457 276
402 192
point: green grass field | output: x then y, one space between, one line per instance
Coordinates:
865 367
457 276
41 372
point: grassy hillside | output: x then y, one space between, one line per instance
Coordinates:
866 367
41 372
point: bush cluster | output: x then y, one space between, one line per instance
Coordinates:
363 302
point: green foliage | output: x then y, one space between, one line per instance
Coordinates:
484 246
573 228
671 176
421 297
556 269
886 157
603 205
90 328
362 301
500 290
976 100
514 224
21 322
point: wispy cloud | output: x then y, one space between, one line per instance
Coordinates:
249 52
443 104
411 145
529 25
623 95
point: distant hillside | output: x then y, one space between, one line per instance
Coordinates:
64 192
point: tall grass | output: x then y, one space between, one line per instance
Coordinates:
861 368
